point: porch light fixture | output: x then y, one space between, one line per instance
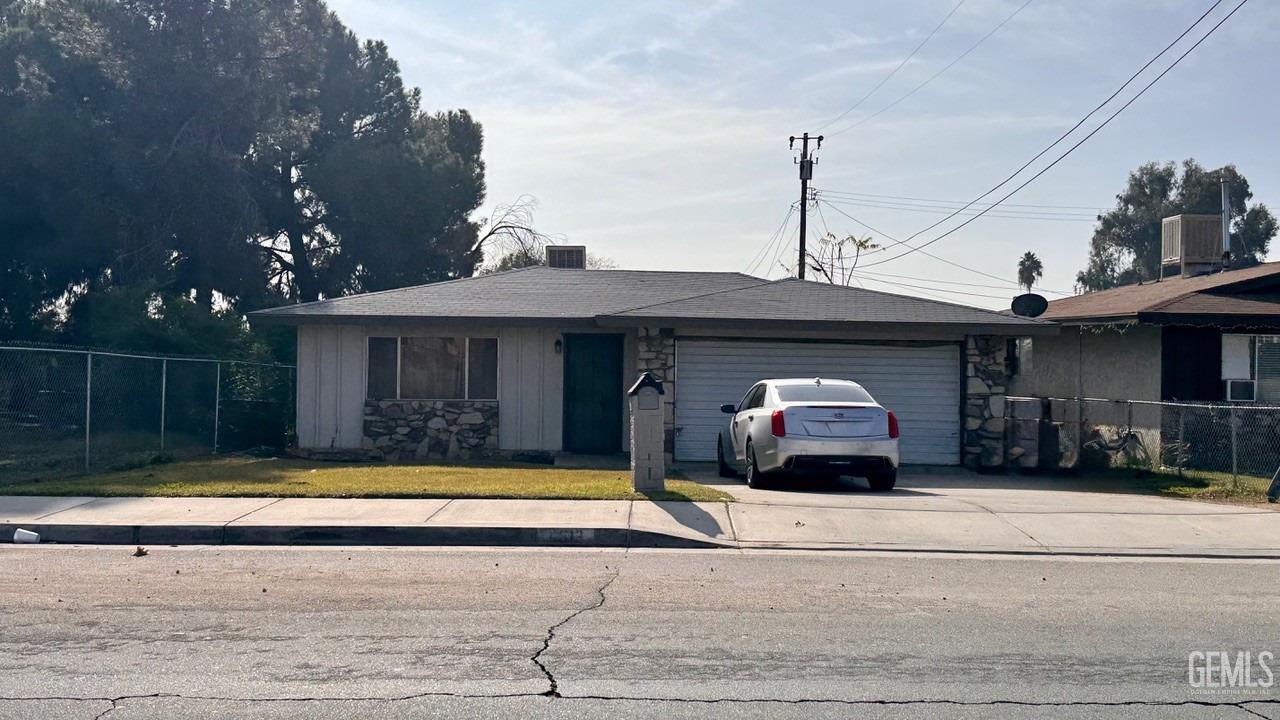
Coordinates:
559 346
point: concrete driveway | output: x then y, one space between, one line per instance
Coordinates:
956 510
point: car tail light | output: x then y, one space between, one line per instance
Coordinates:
779 424
893 425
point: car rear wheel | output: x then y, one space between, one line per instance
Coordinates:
883 481
755 478
726 470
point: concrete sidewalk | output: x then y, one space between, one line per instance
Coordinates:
928 513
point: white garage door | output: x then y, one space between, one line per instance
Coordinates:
920 384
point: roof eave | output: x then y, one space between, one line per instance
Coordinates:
1210 319
383 319
1094 319
1021 329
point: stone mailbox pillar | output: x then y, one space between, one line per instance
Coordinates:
648 465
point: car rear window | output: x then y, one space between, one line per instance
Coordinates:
823 393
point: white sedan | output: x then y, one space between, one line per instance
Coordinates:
817 426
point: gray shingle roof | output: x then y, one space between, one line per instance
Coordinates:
621 297
799 301
534 292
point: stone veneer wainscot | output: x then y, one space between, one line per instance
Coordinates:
986 378
406 430
656 354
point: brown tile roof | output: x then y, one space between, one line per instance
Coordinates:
1216 294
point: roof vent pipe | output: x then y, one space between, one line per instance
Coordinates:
1226 223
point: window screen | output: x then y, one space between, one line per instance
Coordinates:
432 368
382 368
1268 370
482 369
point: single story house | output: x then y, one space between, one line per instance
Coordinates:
1211 337
537 360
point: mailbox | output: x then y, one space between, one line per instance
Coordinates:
648 459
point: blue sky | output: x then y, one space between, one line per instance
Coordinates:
655 133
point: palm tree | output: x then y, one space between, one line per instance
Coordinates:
1030 269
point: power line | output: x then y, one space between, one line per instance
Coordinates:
763 252
933 210
929 254
1081 122
904 207
934 76
827 229
937 289
1082 141
783 247
893 72
958 202
934 280
918 293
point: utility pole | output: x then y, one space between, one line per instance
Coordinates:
806 174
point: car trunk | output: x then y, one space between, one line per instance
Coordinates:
835 420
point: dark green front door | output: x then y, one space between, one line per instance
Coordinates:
593 393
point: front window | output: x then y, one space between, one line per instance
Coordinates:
1251 367
433 368
1017 356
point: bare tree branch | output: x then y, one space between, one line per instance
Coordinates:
510 230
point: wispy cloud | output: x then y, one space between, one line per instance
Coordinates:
656 132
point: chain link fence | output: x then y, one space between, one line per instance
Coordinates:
65 412
1239 439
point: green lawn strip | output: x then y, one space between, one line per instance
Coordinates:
1191 484
276 477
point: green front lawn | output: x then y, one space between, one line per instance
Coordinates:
276 477
1192 484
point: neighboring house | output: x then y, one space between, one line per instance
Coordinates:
537 360
1212 337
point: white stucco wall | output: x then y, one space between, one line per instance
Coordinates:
332 381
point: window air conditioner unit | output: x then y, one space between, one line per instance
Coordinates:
1242 390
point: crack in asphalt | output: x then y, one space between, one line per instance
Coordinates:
110 709
116 701
554 690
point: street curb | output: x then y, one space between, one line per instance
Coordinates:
385 535
1118 553
498 536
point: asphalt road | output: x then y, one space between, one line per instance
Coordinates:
389 633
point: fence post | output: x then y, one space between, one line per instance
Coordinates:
1184 454
164 385
217 403
88 405
1235 455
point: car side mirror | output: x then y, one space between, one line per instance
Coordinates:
729 409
